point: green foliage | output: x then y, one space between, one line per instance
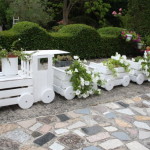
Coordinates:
32 35
78 39
111 43
115 62
84 40
114 31
98 8
30 10
82 79
85 20
148 40
139 16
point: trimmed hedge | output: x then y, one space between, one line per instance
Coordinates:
85 40
148 40
79 39
111 42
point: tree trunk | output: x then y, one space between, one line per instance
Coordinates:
68 4
65 12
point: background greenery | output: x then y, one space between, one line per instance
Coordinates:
84 27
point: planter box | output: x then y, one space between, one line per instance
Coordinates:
136 74
62 84
10 66
63 63
111 81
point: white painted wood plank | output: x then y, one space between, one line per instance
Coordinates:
16 83
9 101
15 92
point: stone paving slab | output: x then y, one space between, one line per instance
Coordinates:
124 125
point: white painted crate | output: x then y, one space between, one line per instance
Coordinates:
31 84
136 74
62 84
111 81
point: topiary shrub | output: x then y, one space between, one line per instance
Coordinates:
85 40
114 31
7 38
111 42
32 35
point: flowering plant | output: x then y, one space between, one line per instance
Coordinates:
117 61
144 64
135 37
114 13
83 80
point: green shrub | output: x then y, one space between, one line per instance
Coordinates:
7 38
111 42
139 11
114 31
32 35
148 40
85 20
85 40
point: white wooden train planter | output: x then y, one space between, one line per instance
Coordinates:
62 84
136 74
31 84
111 81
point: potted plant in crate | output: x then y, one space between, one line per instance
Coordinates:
9 60
62 61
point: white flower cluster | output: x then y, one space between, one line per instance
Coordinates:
145 65
88 82
122 59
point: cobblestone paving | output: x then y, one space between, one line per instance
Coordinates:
122 125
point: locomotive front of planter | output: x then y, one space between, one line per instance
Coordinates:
33 82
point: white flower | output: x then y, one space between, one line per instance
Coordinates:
124 57
122 61
86 82
78 92
85 95
76 70
75 57
133 59
88 71
82 81
99 91
69 72
85 61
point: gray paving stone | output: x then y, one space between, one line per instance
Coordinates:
72 141
141 125
121 136
110 115
63 117
78 124
92 130
8 144
136 146
126 111
111 144
143 135
44 139
18 135
85 111
139 110
91 148
123 104
147 103
47 120
36 134
88 120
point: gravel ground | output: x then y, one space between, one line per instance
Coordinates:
60 105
